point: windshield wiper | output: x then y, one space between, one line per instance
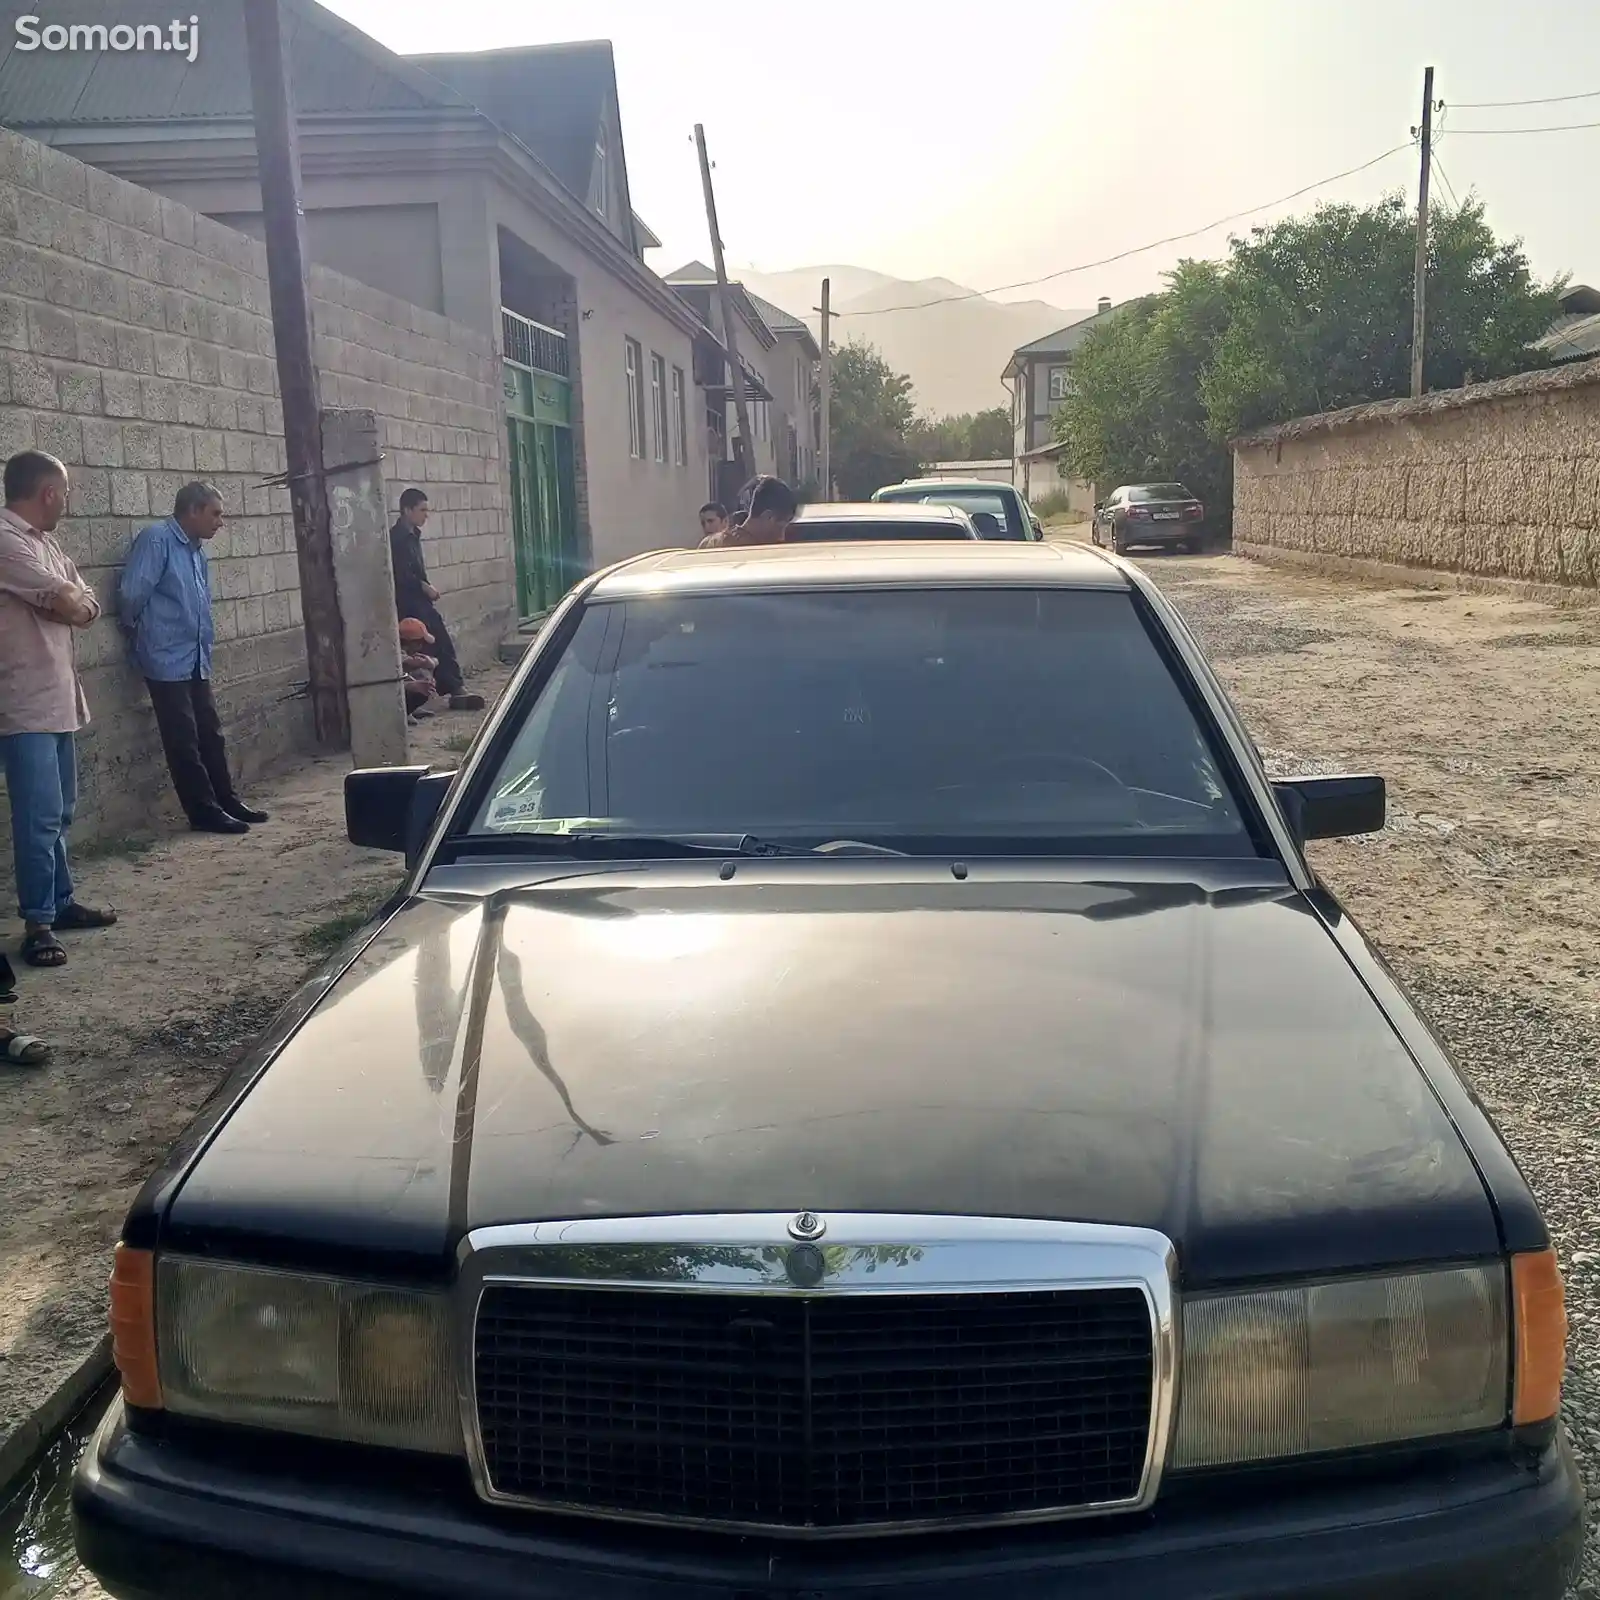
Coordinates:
592 842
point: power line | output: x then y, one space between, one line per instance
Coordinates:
1444 178
1549 100
1558 127
1122 255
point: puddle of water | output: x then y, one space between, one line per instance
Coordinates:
37 1558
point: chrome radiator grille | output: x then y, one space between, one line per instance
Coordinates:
814 1413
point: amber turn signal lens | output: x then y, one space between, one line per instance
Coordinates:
1541 1336
133 1326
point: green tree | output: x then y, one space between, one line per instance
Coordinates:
967 436
989 435
1307 315
938 439
1321 312
870 417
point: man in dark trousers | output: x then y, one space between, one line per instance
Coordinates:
164 605
415 597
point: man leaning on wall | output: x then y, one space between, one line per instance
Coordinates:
43 600
164 605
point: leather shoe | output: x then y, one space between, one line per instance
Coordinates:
243 813
216 820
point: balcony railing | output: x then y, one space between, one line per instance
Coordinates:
531 344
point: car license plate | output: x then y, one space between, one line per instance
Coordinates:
1166 516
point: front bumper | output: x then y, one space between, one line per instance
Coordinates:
157 1519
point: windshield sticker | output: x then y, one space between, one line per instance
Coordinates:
515 808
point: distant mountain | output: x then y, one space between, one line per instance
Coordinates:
803 286
953 347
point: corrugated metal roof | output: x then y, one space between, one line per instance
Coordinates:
1572 339
335 67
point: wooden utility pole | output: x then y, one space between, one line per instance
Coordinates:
741 409
283 222
826 423
1419 290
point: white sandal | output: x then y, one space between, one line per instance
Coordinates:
22 1049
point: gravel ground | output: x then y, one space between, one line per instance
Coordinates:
1484 892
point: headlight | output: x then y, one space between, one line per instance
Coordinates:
1338 1366
306 1355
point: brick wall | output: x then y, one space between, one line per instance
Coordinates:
136 344
1500 482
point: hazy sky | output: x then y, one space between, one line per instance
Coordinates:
1033 135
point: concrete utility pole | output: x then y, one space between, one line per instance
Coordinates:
825 443
283 221
1419 291
741 409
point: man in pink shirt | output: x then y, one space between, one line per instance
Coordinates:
42 600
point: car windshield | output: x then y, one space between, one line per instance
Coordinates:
999 505
817 530
1159 491
1008 721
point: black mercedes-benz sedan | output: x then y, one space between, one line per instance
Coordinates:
860 1093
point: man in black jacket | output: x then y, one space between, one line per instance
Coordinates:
415 597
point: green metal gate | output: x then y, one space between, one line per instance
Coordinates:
544 502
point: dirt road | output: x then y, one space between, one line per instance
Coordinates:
1484 714
214 934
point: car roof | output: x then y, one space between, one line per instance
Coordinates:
896 564
948 483
879 511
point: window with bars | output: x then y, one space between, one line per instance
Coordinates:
658 405
634 358
680 420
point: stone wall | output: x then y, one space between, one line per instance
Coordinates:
1500 481
136 344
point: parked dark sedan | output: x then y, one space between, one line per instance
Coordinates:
832 1111
1160 514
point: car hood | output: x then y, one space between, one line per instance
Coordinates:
636 1041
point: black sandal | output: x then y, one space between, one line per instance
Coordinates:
43 949
73 918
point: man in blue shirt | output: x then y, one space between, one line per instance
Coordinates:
164 604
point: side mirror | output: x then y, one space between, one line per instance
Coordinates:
1334 808
392 808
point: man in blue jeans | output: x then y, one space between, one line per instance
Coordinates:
42 600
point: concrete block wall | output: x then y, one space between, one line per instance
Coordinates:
435 389
1499 481
136 344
